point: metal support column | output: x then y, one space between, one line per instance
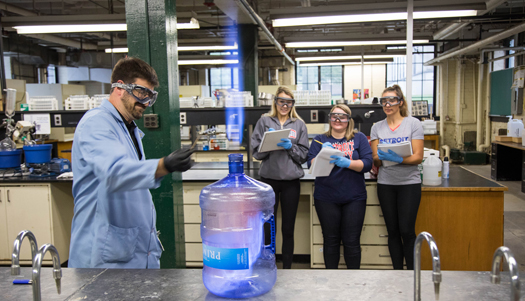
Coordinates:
248 59
152 36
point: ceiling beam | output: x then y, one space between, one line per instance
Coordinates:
64 20
307 37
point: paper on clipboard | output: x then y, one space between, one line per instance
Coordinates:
403 149
270 139
322 166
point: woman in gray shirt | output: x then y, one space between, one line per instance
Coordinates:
282 168
399 185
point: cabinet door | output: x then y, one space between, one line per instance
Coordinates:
28 208
6 246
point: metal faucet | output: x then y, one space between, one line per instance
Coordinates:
513 271
436 264
15 257
37 265
367 114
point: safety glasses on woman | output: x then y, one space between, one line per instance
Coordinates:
284 101
341 117
140 93
390 100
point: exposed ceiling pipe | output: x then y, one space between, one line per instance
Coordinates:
16 10
253 15
474 47
453 28
63 41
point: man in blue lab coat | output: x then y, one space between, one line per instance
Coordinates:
114 221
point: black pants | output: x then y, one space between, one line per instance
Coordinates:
400 204
341 222
287 192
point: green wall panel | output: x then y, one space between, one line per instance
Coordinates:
500 92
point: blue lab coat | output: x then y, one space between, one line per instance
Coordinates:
114 221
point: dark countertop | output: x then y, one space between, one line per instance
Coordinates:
462 179
186 284
31 179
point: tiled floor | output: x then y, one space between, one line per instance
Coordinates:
514 215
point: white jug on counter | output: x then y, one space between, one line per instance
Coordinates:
432 170
514 128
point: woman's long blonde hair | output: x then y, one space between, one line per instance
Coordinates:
350 131
403 108
274 112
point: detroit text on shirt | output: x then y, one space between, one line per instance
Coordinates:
393 140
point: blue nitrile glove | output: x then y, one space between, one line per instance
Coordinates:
271 129
286 143
327 144
390 156
341 161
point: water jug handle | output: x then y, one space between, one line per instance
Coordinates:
271 246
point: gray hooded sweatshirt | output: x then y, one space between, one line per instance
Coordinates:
281 164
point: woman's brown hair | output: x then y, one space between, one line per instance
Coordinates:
403 108
350 131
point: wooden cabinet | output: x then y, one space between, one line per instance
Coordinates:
44 209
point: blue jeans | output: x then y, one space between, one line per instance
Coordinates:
341 222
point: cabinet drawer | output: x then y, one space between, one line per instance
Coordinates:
192 233
375 255
317 234
192 214
371 192
374 235
193 252
318 255
191 192
374 216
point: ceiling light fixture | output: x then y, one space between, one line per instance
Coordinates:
207 62
348 43
193 24
302 21
183 48
342 63
347 57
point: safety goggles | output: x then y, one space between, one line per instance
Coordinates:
284 101
341 117
140 93
391 100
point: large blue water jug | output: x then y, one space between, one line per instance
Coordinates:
237 264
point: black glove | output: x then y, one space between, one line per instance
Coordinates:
179 160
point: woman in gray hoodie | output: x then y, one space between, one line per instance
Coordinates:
282 168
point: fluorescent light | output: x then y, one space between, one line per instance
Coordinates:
369 17
207 62
348 43
201 48
348 57
194 24
117 50
342 63
183 48
69 28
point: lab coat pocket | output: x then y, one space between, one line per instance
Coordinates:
120 244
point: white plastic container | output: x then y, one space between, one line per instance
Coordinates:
432 171
514 128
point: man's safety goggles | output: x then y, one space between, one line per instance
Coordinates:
391 100
140 93
282 101
341 117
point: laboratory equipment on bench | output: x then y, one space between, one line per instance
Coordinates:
237 264
60 165
10 157
432 170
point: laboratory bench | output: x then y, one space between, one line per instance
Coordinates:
508 162
464 214
186 284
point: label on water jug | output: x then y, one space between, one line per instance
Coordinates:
224 258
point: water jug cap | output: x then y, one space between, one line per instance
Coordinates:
445 159
235 163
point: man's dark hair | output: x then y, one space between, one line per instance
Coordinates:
129 69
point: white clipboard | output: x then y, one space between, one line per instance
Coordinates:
270 139
403 149
321 166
